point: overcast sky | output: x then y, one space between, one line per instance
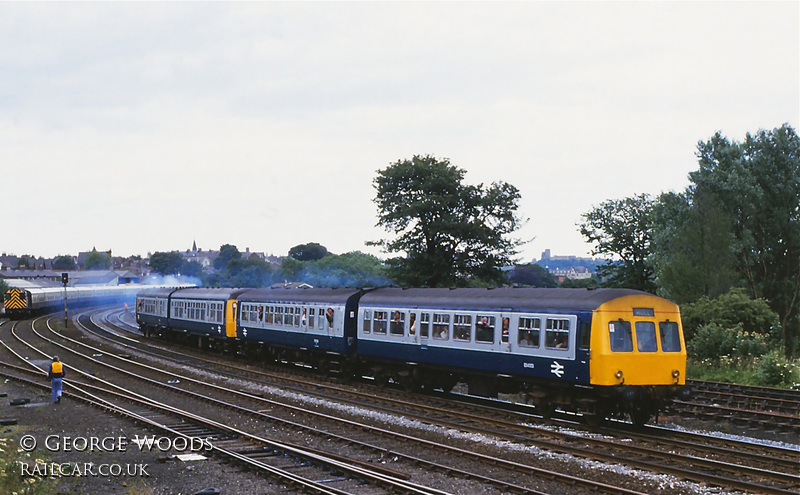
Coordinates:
142 127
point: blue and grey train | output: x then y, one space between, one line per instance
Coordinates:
602 352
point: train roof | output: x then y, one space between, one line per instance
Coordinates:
509 299
206 293
311 295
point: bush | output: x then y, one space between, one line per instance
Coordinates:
773 369
729 310
714 342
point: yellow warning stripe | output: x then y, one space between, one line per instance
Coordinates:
15 299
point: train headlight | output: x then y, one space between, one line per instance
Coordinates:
676 373
618 374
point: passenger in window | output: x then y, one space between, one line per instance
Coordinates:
304 319
412 324
484 332
261 313
561 341
329 316
396 326
505 330
525 338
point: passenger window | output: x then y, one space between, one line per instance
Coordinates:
279 315
424 324
441 326
646 336
504 334
670 337
412 324
619 333
557 334
528 335
484 329
379 323
312 318
398 324
462 327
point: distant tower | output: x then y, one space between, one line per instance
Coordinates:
194 246
546 254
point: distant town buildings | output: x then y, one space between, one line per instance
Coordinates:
568 267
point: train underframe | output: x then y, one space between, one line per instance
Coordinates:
595 404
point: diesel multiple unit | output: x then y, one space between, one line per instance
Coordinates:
603 352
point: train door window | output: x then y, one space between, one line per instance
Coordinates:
270 313
586 335
245 312
504 331
441 326
367 321
529 330
424 324
412 324
462 327
646 336
557 333
619 333
297 317
484 329
278 315
670 337
329 317
379 322
398 324
260 313
312 317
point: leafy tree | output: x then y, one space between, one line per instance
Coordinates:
227 253
97 261
531 275
248 273
692 248
580 283
191 269
167 263
3 287
756 183
355 269
451 234
308 252
621 230
64 262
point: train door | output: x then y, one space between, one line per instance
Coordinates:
230 318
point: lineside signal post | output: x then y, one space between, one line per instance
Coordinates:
65 280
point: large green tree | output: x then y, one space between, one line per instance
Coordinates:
308 252
64 262
620 229
449 233
756 183
166 263
97 261
692 248
227 253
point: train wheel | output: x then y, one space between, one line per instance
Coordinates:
545 408
640 416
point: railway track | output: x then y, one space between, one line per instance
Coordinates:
741 407
777 465
538 440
